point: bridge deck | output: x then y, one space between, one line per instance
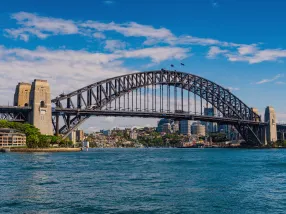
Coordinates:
144 114
13 109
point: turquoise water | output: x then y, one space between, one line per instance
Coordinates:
144 181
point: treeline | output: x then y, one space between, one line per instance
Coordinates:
155 140
34 138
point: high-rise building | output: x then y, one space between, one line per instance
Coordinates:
185 127
79 135
210 127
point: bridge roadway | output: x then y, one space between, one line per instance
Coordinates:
148 114
14 109
13 112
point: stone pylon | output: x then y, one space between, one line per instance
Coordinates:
40 101
271 129
22 94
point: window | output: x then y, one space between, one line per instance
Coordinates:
42 104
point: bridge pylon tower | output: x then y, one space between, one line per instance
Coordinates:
271 129
40 101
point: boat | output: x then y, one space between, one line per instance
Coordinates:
4 150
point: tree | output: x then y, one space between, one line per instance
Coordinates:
32 141
44 141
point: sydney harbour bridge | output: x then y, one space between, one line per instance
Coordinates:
152 94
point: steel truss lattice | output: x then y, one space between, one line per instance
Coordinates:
76 107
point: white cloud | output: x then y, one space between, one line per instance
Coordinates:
157 54
42 27
129 29
99 35
270 80
112 45
280 83
253 55
32 24
233 88
247 49
24 33
70 69
214 51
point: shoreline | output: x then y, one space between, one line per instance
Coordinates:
42 149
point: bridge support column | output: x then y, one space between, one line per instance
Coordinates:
262 135
270 118
57 125
40 100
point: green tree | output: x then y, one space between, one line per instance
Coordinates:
32 141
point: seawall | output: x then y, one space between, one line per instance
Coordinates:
45 149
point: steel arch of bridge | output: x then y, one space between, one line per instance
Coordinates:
78 106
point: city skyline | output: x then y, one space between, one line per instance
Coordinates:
74 47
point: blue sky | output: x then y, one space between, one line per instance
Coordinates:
238 44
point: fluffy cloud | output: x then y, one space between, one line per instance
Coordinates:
157 54
30 24
68 69
129 29
214 51
248 53
271 79
233 89
42 27
112 45
247 49
99 35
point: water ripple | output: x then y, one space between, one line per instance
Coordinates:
144 181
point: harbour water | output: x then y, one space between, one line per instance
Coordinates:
144 181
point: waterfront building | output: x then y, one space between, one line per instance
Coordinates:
175 126
210 127
72 136
198 129
105 132
160 124
185 127
166 127
79 135
133 134
11 137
